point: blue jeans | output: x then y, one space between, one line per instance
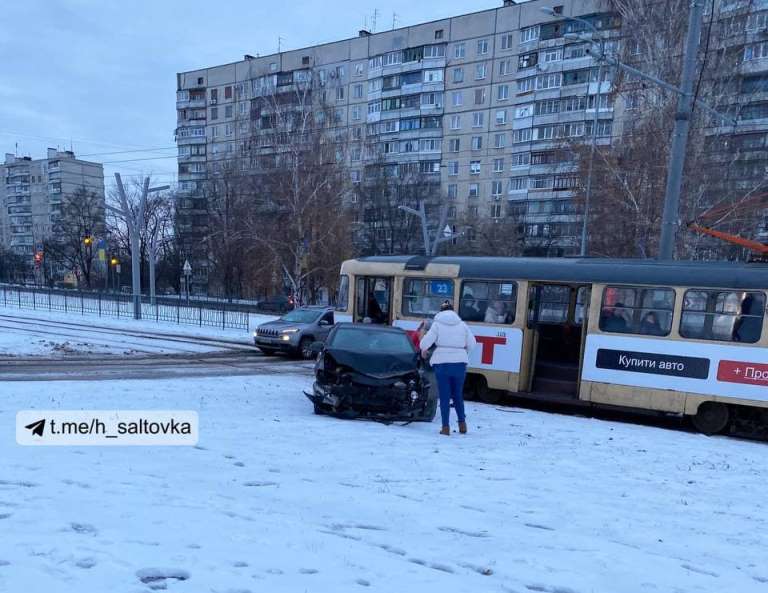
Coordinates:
450 383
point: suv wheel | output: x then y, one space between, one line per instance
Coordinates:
305 348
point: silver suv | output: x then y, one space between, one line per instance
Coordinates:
295 331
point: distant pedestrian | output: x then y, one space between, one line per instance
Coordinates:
453 341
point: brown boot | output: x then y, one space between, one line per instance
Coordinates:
463 427
446 430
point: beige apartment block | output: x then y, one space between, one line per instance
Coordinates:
479 102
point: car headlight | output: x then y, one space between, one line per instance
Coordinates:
292 330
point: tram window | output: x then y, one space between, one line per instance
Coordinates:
488 302
422 296
637 310
342 298
554 302
728 316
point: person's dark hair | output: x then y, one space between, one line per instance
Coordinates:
446 306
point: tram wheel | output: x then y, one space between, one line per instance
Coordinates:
712 417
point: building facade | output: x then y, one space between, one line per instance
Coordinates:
33 191
481 103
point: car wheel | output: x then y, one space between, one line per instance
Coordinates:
711 417
305 348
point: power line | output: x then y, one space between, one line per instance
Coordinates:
129 151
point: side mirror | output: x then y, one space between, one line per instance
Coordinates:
316 347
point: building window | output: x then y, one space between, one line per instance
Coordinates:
458 75
474 167
439 34
502 92
757 51
459 50
474 192
505 67
227 92
526 85
517 184
214 113
433 76
457 98
548 107
228 110
482 47
434 51
357 91
506 41
548 81
453 167
453 191
523 135
500 141
498 165
479 96
453 145
552 55
481 70
528 60
495 210
529 34
477 142
455 122
496 188
521 159
501 117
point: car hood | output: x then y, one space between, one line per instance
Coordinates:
280 325
381 366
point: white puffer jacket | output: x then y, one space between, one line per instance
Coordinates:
452 337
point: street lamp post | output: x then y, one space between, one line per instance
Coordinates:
134 220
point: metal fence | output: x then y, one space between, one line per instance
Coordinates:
209 314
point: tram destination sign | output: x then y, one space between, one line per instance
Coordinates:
653 364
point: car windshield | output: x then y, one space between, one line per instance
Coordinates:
300 316
372 341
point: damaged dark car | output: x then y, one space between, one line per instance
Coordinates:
372 372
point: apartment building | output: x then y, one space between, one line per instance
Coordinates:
32 192
481 103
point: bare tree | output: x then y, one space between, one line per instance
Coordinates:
629 176
72 243
297 219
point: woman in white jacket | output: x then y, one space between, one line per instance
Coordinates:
453 342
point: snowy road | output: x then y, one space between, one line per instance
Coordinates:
277 499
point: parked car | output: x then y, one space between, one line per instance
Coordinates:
277 303
295 331
371 371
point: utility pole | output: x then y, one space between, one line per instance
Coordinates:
671 214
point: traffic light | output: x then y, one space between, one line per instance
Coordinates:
88 240
38 259
114 261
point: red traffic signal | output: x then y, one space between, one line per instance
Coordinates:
38 258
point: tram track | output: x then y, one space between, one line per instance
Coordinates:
47 326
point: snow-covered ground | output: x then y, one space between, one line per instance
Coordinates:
277 499
63 334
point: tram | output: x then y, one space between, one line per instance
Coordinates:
677 337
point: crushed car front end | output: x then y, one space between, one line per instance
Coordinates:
393 388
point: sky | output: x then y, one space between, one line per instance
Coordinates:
99 76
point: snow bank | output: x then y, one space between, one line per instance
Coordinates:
277 499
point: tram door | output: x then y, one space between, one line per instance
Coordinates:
557 315
373 299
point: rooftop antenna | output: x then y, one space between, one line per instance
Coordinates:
374 18
395 18
279 45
